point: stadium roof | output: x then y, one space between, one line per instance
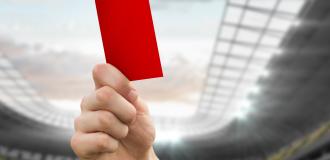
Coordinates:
269 65
250 34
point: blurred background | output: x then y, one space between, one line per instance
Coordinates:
244 79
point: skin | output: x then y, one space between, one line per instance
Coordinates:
114 123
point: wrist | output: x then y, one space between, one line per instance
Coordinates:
150 155
153 155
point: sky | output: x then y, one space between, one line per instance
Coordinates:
65 35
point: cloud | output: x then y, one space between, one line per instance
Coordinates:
67 75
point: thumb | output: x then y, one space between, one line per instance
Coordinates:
108 75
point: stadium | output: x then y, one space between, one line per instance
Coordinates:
257 87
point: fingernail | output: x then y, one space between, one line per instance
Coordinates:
132 96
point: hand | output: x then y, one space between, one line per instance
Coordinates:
114 123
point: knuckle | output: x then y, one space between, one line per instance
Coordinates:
114 145
102 142
103 94
124 132
131 115
105 143
74 142
77 121
105 119
83 103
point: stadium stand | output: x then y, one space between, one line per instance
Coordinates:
313 146
292 100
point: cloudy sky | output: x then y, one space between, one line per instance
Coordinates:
55 44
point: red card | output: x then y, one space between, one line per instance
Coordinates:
129 38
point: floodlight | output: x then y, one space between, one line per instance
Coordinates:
297 23
168 137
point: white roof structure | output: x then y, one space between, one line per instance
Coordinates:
18 94
250 34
